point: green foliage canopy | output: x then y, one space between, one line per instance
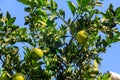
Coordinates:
64 58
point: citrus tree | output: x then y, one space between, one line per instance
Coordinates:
56 47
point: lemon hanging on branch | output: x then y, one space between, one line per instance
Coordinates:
18 76
37 53
82 36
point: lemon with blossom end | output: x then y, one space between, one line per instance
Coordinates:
37 53
82 36
18 76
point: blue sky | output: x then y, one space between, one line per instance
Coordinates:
110 59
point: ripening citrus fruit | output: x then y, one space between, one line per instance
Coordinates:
18 76
4 76
37 53
82 36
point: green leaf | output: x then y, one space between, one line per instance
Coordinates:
117 11
25 2
41 2
53 5
27 9
84 3
11 20
72 7
8 15
118 18
106 76
62 13
14 27
111 6
93 13
78 1
1 16
99 4
109 14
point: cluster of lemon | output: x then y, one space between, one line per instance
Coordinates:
82 37
38 53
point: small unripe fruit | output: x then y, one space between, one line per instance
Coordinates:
37 53
82 36
4 76
18 76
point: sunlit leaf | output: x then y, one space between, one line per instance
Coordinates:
99 4
72 7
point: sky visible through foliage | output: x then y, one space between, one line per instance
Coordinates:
110 59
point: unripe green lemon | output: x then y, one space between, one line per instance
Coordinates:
4 76
18 76
82 36
37 53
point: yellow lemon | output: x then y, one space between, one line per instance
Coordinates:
18 76
82 36
37 53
